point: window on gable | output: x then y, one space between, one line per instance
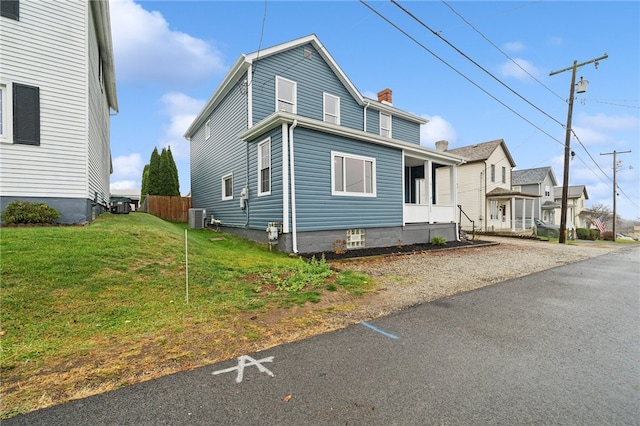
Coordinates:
10 9
493 173
26 114
227 187
547 191
385 125
353 175
331 108
504 175
286 95
264 167
207 130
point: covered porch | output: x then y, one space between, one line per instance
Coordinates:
503 215
421 203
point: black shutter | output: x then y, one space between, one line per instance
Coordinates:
26 114
10 9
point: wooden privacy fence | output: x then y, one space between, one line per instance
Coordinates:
173 209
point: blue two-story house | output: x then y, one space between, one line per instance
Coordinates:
288 143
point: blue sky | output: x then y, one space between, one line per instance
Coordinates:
170 56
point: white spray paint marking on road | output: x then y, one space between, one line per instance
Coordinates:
246 361
374 328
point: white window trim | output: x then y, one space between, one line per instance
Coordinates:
382 128
207 129
374 189
224 178
326 95
295 94
261 144
7 112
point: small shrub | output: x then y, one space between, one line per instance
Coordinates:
438 241
607 236
594 234
582 233
27 212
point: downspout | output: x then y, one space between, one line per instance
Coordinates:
246 203
294 230
364 118
484 197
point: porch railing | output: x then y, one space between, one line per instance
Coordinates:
420 213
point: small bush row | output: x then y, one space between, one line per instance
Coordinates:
27 212
587 234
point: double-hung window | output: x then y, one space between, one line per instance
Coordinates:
504 175
286 93
493 173
331 108
264 167
227 187
493 209
353 175
385 125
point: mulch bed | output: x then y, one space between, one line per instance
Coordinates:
394 250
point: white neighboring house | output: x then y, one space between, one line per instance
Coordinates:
484 188
576 203
57 90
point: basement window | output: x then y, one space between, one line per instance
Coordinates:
355 238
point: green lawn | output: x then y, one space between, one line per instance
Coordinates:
83 302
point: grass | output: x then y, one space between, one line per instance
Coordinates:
88 309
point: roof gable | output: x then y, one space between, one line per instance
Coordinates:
246 61
535 175
482 151
575 191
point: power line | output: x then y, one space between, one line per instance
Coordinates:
473 61
458 72
501 51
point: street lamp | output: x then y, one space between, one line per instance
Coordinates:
562 238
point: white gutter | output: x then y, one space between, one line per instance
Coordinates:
285 179
366 105
294 231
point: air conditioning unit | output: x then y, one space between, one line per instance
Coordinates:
197 218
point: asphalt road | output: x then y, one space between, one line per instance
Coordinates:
556 347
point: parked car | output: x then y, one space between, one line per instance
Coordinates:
548 230
621 236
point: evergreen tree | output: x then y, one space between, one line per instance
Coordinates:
175 188
154 173
144 189
165 179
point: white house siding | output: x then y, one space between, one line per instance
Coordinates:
47 48
99 149
471 193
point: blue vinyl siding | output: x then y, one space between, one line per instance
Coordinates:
317 209
313 77
266 208
221 154
401 129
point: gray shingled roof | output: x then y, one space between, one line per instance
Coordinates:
574 192
527 176
481 151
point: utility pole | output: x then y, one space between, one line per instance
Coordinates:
567 145
615 186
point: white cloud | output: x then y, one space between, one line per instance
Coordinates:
181 110
146 49
514 46
609 123
519 69
124 185
437 129
127 167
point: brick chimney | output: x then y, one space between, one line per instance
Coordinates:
442 145
385 96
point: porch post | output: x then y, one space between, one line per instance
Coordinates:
532 213
428 166
513 216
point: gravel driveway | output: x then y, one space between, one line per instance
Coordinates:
419 278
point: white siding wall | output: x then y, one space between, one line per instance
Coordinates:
470 190
47 48
99 160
